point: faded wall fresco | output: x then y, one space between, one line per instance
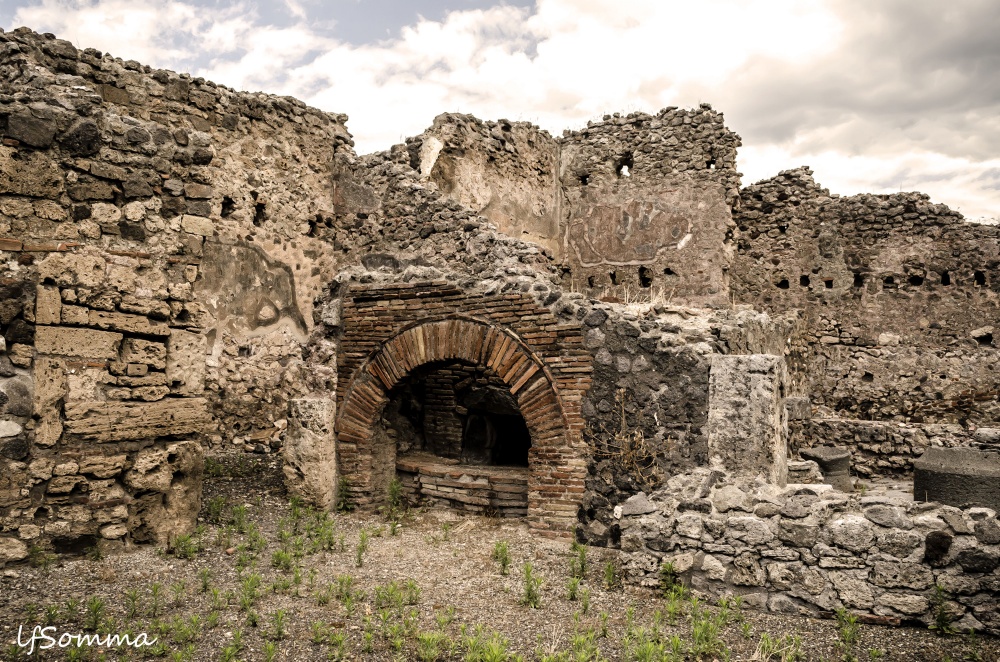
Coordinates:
672 238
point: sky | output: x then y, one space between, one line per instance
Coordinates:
876 97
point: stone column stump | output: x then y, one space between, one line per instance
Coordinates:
310 451
747 420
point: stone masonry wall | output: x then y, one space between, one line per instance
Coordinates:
506 171
636 204
157 272
809 550
397 216
229 184
648 205
899 298
879 448
648 407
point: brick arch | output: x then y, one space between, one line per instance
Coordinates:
479 343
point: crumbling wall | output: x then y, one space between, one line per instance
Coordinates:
648 407
157 273
898 298
506 171
648 205
632 207
397 224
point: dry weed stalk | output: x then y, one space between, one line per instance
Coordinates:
626 447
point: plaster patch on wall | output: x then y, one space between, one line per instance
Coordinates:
247 291
429 151
635 232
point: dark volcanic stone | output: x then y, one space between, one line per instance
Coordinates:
82 139
21 332
595 317
978 560
831 459
31 130
137 136
136 187
958 477
936 546
696 505
18 398
15 449
133 231
172 206
201 156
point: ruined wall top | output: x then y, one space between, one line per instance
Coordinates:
675 140
42 68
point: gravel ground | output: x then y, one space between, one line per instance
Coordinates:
449 596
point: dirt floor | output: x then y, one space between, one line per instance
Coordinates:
267 580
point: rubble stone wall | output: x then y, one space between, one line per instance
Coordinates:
879 448
810 550
649 403
506 171
157 276
648 203
899 297
636 204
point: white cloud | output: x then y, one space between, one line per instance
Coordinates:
296 9
867 95
165 33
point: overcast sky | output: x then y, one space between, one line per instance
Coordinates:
874 96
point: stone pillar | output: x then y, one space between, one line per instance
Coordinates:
747 421
310 451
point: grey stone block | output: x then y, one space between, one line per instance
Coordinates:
958 477
747 425
834 462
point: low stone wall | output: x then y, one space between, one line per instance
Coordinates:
807 549
878 448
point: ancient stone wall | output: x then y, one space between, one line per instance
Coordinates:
157 272
631 205
506 171
399 214
879 448
898 296
811 550
648 407
648 205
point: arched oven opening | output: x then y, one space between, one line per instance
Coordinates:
459 439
